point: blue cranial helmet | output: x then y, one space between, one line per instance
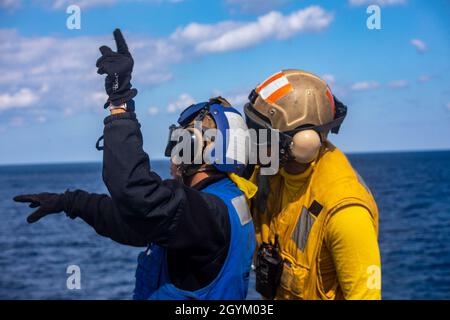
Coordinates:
228 152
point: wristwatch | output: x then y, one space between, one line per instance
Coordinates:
127 106
121 106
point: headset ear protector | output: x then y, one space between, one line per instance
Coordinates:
303 143
195 139
191 119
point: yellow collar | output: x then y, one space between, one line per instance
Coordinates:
246 186
295 181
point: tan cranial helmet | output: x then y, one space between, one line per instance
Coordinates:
292 100
305 99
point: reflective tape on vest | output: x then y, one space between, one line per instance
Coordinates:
241 207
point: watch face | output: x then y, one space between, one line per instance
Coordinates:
122 106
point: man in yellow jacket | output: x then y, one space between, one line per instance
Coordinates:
316 220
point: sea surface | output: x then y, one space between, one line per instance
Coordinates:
412 191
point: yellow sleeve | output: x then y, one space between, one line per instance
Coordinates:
352 242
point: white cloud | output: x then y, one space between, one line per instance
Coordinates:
17 122
420 45
398 84
62 4
44 88
153 111
41 119
21 99
10 76
376 2
62 70
13 5
183 101
329 78
84 4
68 112
364 85
254 6
227 36
98 98
425 78
197 32
238 100
66 66
10 5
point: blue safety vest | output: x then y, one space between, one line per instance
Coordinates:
152 274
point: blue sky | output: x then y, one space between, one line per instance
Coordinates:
394 80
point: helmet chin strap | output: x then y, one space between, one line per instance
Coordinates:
186 171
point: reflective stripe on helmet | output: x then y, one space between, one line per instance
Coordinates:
274 88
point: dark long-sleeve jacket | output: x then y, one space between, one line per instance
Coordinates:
194 226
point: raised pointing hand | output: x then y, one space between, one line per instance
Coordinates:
118 67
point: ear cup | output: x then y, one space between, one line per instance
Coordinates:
196 145
194 138
305 146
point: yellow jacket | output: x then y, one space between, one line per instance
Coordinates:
326 221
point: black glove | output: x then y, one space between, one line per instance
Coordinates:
118 67
48 203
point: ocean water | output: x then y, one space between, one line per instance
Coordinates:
412 191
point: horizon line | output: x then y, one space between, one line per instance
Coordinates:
166 159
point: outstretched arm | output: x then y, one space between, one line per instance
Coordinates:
203 217
101 213
98 210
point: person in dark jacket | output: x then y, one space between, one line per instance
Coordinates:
197 230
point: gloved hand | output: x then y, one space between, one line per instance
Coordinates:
118 67
48 203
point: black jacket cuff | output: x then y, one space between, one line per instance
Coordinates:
120 116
